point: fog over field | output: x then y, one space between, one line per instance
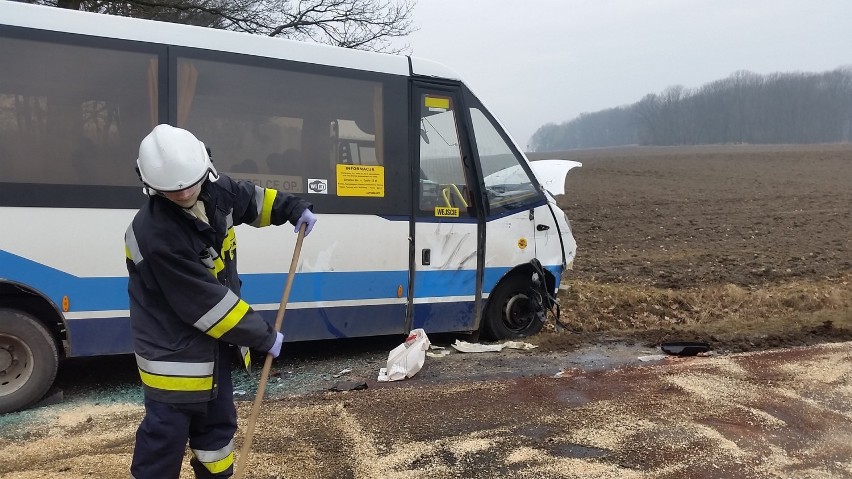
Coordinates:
548 61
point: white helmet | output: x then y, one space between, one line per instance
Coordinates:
171 159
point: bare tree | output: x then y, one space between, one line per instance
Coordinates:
360 24
647 111
743 108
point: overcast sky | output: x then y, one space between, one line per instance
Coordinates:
538 61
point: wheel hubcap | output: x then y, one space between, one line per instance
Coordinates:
5 360
16 364
517 313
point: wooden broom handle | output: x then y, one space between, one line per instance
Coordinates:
267 364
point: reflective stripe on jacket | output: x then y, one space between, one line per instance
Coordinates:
184 289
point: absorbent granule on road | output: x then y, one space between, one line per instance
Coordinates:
96 429
831 368
607 424
470 445
725 393
538 463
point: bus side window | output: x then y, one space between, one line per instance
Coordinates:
72 114
298 124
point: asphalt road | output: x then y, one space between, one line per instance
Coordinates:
592 413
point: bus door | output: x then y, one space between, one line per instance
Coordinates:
517 216
446 222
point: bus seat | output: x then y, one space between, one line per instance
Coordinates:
344 153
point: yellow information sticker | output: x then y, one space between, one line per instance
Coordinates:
445 212
361 180
435 102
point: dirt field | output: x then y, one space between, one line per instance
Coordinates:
741 246
679 218
746 248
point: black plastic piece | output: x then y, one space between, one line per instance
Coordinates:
685 348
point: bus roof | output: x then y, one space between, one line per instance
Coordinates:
110 26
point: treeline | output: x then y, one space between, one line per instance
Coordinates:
743 108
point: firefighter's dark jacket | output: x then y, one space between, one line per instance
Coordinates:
184 289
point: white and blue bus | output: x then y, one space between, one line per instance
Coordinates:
430 215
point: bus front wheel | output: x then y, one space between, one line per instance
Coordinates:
28 360
512 310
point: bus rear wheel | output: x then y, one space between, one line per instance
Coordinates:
512 309
28 360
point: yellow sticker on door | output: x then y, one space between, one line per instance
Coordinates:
522 243
445 212
437 103
361 180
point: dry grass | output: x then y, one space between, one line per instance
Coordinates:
722 313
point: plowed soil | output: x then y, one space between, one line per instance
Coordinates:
686 217
741 246
745 248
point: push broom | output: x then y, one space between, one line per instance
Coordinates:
264 375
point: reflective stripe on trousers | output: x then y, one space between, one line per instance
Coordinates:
209 426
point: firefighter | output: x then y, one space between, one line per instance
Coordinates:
185 309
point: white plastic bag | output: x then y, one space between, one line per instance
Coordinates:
406 359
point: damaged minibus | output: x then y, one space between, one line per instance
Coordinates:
430 216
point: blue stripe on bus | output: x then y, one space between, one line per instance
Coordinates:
438 283
97 336
444 317
103 336
110 293
326 286
114 334
493 275
341 322
85 294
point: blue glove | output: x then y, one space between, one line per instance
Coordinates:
309 219
275 350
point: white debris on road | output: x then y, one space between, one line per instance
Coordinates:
466 347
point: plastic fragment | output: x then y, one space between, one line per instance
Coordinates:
438 354
652 357
466 347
